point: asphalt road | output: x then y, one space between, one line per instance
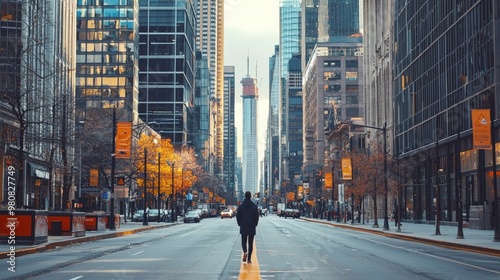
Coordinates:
285 249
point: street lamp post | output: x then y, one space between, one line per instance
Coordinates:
172 217
158 200
112 183
145 214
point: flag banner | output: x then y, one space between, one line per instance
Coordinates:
123 139
94 178
346 169
481 130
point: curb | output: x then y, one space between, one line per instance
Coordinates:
76 240
440 243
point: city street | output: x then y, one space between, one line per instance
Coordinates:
285 249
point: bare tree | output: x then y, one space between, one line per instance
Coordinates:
24 83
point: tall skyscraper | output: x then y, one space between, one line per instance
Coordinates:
210 41
294 129
167 67
323 19
273 130
290 37
107 57
229 132
250 152
107 75
201 137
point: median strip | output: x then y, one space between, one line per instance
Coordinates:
250 270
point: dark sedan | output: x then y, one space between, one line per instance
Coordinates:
138 215
153 215
192 216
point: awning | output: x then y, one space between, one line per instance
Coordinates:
39 171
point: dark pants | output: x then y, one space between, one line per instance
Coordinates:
244 239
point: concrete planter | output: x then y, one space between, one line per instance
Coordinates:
71 223
25 227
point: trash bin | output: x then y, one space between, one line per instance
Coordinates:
56 228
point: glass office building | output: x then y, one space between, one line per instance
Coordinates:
323 19
107 57
445 65
229 133
167 67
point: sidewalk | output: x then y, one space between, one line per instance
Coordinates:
58 241
475 240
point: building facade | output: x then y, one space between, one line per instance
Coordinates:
37 85
210 41
229 133
290 38
294 128
250 152
445 64
106 92
273 131
332 93
323 19
167 64
201 137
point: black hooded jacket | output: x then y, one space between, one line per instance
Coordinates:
247 216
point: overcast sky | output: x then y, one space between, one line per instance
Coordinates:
251 27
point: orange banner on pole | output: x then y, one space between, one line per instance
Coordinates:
481 129
123 139
328 180
94 178
346 169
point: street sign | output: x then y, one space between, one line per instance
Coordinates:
91 190
120 181
105 195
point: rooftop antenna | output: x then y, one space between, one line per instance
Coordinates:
248 63
256 67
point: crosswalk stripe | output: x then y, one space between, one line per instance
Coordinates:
250 271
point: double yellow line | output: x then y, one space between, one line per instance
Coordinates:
250 271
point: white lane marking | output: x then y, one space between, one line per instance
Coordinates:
184 235
97 268
78 277
138 253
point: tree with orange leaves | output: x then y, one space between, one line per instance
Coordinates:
368 177
163 163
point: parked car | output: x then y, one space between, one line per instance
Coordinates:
200 213
137 216
227 213
192 216
153 215
294 213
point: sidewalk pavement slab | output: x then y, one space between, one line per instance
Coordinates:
59 241
475 240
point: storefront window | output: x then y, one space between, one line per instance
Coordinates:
468 160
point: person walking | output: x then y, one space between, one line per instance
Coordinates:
247 216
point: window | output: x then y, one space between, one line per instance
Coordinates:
332 63
351 76
332 88
332 76
351 64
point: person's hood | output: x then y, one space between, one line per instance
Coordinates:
247 203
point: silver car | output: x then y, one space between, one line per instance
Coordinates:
192 216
